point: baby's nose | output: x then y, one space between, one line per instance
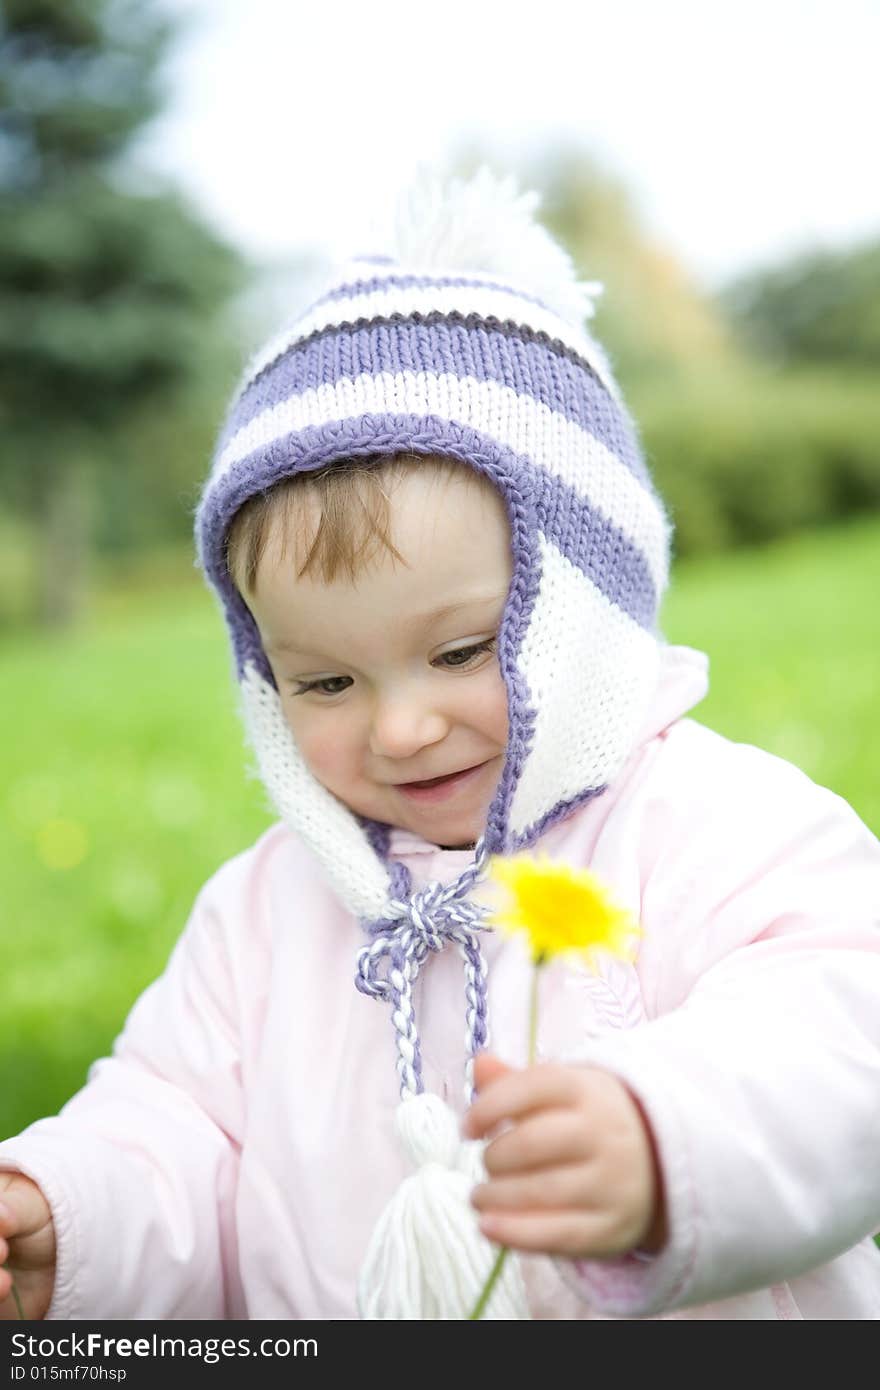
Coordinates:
401 727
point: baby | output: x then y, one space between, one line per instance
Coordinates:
441 560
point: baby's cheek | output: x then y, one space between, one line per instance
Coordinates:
487 707
325 751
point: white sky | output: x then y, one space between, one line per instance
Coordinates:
744 131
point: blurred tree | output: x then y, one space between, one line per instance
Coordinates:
653 318
741 454
819 307
106 296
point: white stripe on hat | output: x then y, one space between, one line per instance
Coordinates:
546 438
588 666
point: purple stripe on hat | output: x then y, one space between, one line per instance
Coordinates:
367 345
527 363
592 542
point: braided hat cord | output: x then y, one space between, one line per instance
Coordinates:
402 938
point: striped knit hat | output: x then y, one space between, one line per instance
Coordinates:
467 339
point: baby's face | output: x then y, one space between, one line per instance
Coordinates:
381 690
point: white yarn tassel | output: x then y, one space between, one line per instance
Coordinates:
485 222
427 1258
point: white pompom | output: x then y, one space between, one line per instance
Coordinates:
428 1259
484 223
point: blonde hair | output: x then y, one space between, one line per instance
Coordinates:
354 516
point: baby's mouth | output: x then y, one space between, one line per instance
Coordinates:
440 781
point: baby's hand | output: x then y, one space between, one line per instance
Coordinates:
27 1248
575 1172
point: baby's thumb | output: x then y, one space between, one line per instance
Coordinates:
23 1208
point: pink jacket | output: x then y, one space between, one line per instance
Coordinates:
232 1156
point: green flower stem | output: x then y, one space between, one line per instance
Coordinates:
533 1010
480 1305
489 1285
17 1300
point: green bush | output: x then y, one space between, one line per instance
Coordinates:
748 456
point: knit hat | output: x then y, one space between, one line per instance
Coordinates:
465 337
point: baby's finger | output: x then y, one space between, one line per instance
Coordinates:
8 1219
575 1234
547 1139
518 1093
488 1067
554 1189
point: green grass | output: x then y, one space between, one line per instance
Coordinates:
122 785
793 634
123 790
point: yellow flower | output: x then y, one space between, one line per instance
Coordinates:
562 911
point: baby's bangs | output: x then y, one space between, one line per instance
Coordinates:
352 500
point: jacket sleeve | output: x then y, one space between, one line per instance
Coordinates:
140 1167
759 1067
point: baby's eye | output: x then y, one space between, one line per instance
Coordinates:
330 685
464 656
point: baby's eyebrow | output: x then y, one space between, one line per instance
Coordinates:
411 624
447 609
